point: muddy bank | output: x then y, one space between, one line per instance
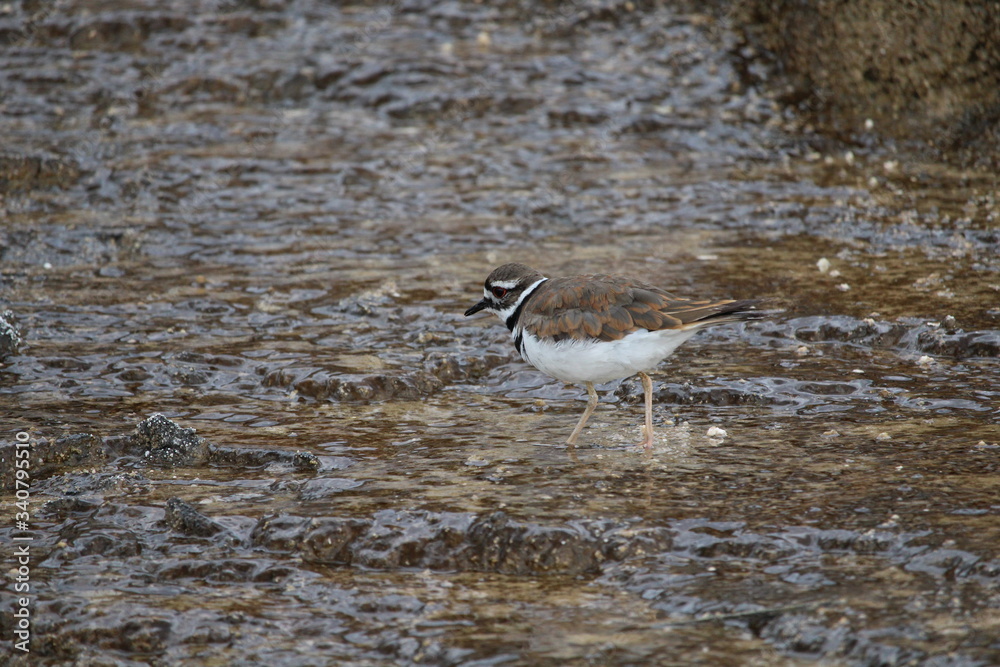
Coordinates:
926 74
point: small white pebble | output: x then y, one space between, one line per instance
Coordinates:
890 166
802 350
831 433
483 38
869 124
872 182
859 371
849 157
716 432
925 360
844 287
447 49
47 265
883 436
835 273
823 264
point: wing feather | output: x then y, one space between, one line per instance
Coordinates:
609 308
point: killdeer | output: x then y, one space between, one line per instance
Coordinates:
597 328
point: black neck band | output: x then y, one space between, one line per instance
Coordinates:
511 321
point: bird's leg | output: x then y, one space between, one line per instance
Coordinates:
591 404
647 390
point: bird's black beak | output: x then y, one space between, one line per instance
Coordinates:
476 308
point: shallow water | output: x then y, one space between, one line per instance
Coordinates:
265 223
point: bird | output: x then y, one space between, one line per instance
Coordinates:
589 329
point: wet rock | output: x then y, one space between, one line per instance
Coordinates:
639 559
455 541
116 543
281 533
24 173
201 89
91 483
921 71
957 345
10 337
499 544
48 458
572 116
947 563
81 449
440 368
60 508
143 636
909 335
67 246
323 385
805 635
159 441
648 123
125 32
224 570
249 24
678 394
849 540
185 519
114 35
450 368
319 489
244 458
865 333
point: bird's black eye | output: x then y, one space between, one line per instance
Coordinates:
498 292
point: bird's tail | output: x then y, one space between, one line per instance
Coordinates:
703 314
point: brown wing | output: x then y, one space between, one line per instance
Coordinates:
609 308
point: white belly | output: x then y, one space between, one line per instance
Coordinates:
579 361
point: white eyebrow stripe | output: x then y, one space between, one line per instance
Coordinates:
506 284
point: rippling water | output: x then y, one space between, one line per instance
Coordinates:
265 223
